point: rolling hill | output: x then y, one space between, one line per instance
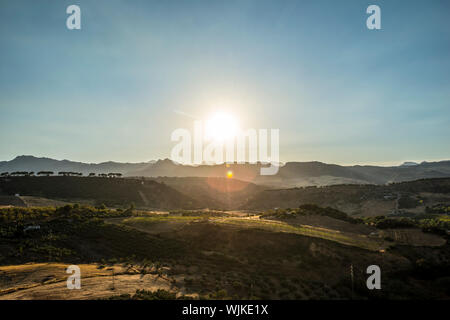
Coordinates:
108 191
410 197
215 193
291 174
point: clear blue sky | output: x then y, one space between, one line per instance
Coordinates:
338 92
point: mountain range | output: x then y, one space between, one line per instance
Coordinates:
290 174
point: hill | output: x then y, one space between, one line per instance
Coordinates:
217 257
215 193
398 199
412 197
109 191
291 174
31 163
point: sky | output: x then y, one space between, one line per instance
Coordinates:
137 70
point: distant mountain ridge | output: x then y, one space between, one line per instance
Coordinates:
291 174
31 163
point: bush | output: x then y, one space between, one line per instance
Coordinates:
382 222
149 295
311 209
220 294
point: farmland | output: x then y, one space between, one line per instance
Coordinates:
208 255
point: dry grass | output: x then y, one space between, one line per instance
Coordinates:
278 226
47 281
42 202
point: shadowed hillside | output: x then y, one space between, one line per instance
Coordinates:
216 193
109 191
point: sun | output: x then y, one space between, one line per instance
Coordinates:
221 126
229 174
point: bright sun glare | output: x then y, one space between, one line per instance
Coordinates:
221 126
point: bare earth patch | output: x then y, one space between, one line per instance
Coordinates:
48 282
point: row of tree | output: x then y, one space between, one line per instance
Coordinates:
61 173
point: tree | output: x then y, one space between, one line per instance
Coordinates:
114 175
45 173
20 173
69 173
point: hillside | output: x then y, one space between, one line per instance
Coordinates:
413 197
405 198
216 193
109 191
214 257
